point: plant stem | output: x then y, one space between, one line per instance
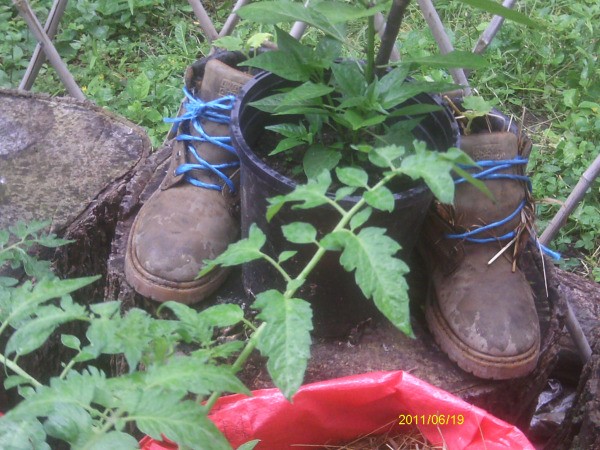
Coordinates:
16 369
390 33
340 226
239 362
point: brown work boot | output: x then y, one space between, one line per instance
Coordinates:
480 307
191 217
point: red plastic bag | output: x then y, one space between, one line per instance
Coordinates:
344 409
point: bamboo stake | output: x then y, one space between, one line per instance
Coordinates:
390 33
205 22
380 27
437 28
572 201
49 49
586 180
38 57
490 32
233 18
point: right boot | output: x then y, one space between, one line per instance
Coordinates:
192 216
480 307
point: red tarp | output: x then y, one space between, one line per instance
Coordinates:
344 409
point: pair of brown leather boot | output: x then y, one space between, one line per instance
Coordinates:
480 308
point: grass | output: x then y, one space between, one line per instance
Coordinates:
130 56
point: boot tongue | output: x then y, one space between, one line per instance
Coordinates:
220 80
473 208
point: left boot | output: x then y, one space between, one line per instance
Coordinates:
480 308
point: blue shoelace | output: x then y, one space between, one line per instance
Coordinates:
490 172
197 110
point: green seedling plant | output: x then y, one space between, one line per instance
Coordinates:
167 392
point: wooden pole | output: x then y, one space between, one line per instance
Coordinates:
488 35
49 49
437 29
38 57
205 22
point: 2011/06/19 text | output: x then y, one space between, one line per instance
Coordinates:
431 419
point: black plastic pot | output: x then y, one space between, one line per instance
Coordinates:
337 302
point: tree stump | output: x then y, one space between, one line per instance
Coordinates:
66 161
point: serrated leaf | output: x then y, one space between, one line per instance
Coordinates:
380 198
4 236
386 156
433 168
378 273
286 338
242 251
68 422
299 232
159 413
106 309
193 375
35 332
230 43
15 380
352 176
111 441
23 434
222 315
309 195
26 299
22 229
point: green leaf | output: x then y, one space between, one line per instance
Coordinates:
158 413
349 78
453 60
286 339
195 375
222 315
352 176
280 64
410 89
300 232
243 251
70 341
344 192
387 156
230 43
309 195
24 434
25 299
284 256
380 198
300 95
68 422
139 87
35 332
111 441
378 273
249 445
360 218
497 9
257 39
318 158
433 168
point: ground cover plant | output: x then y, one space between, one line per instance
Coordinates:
129 55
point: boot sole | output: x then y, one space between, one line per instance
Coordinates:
160 290
479 364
